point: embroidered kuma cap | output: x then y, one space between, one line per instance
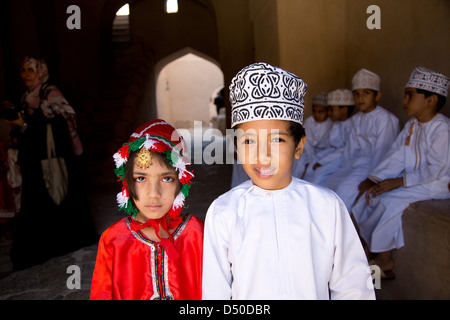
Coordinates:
341 97
155 136
264 92
365 79
320 99
428 80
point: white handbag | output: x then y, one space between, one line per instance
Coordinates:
54 171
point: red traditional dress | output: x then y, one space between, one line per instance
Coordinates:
131 267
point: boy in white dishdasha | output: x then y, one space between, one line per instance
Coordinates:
317 127
276 236
374 129
416 168
328 159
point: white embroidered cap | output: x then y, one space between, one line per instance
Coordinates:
320 99
365 79
429 80
341 97
264 92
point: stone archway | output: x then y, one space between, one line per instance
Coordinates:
185 84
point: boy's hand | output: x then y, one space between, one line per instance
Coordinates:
383 186
365 185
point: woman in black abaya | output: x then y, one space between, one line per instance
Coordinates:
45 229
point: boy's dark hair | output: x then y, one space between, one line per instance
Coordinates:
441 99
129 165
375 92
297 130
349 109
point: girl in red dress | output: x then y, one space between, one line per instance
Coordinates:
155 253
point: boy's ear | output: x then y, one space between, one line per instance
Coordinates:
432 100
378 96
300 147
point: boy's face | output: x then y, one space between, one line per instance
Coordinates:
320 113
414 103
155 188
365 99
267 150
337 113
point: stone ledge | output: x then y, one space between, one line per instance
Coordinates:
422 266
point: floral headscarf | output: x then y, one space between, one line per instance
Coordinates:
50 99
39 66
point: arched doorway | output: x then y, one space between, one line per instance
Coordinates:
186 85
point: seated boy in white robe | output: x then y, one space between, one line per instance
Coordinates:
374 129
328 159
316 127
276 236
416 168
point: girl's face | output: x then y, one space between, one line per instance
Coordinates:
267 150
155 189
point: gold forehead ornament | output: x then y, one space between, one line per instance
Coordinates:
144 159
